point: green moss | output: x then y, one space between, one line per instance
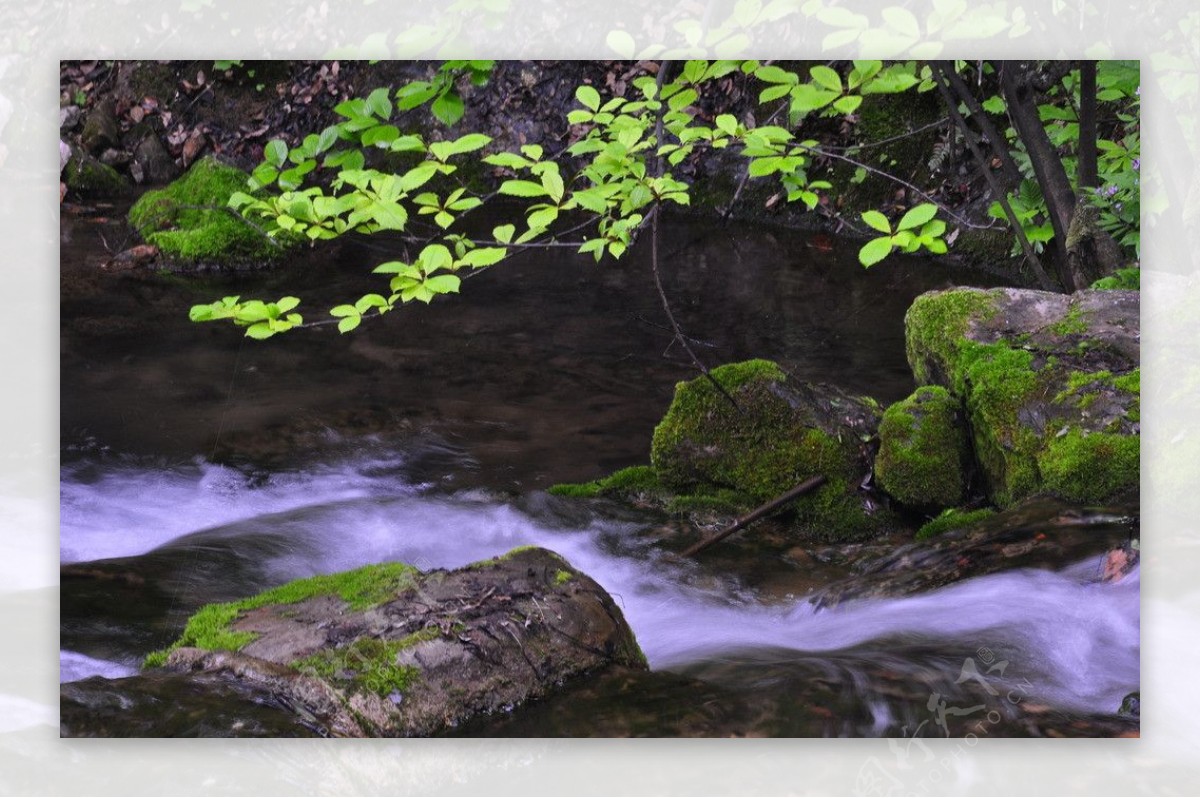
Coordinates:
87 177
935 326
562 577
1090 467
189 220
923 450
361 588
1131 382
952 519
626 483
714 457
368 663
1121 280
1071 324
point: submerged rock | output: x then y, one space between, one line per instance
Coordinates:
1050 384
389 651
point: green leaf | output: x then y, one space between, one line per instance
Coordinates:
553 183
848 104
434 257
826 77
287 303
343 310
773 74
443 284
483 256
328 138
774 92
369 301
380 135
259 331
509 160
470 143
448 108
532 151
349 323
417 176
522 188
380 104
589 97
727 123
504 233
877 221
275 152
875 250
916 216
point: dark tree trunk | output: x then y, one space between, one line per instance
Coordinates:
1016 84
1086 175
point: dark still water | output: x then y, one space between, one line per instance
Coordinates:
549 368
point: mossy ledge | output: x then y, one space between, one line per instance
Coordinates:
190 223
1050 385
210 628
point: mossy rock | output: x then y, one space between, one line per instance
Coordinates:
390 651
781 433
190 223
924 453
1050 384
953 519
88 178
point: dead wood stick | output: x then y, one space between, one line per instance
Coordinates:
804 487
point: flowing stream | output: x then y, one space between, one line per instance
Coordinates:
429 437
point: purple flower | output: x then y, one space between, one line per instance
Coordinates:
1110 190
1137 164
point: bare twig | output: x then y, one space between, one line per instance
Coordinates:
804 487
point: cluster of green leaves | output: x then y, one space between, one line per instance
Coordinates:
916 229
261 319
626 148
1118 196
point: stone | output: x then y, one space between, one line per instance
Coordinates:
386 650
156 164
100 129
781 433
1050 384
86 177
924 454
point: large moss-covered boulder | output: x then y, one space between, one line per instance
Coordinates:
780 433
1050 384
190 223
924 454
387 650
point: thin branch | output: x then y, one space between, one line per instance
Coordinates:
1011 172
662 295
807 486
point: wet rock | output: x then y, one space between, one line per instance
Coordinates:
1040 533
390 651
100 129
114 158
1050 385
87 177
924 453
175 705
781 433
155 163
139 257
